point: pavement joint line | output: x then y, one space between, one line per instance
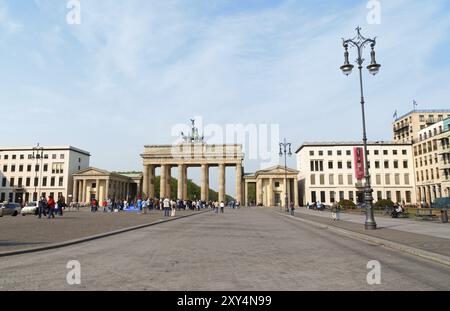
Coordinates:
92 237
442 259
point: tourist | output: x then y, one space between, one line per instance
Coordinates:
145 206
51 207
105 206
291 209
222 205
173 206
42 206
166 206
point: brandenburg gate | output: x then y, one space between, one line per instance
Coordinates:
192 152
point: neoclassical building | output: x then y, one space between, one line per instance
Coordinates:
270 186
100 184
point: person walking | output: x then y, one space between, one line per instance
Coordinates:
222 206
291 209
173 207
166 205
51 207
144 206
42 206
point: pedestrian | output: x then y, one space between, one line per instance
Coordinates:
291 209
222 206
51 207
166 205
173 206
42 206
144 206
335 211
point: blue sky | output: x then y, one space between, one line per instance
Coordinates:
133 69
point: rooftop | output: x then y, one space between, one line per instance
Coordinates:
46 148
423 111
350 143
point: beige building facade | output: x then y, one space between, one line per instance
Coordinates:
272 186
432 162
407 127
331 172
190 154
26 173
93 183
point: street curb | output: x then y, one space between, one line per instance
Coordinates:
442 259
92 237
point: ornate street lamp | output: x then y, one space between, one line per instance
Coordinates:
360 42
38 154
285 149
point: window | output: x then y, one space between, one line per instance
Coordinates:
385 152
397 179
52 182
28 168
6 157
349 164
14 156
311 153
60 181
36 168
387 179
28 182
330 165
322 179
44 182
61 156
350 196
378 179
45 167
377 164
36 181
405 164
313 179
54 156
406 179
349 179
421 118
331 179
277 184
348 152
5 168
396 164
341 195
20 182
339 152
330 153
376 152
13 168
386 164
408 196
394 152
11 182
388 195
4 183
339 164
340 179
321 153
21 168
379 195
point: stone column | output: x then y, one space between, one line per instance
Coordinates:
185 179
163 182
151 182
245 193
145 180
97 190
75 191
259 194
239 182
270 193
107 188
296 198
83 192
221 182
204 183
180 180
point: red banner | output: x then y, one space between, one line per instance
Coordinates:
359 162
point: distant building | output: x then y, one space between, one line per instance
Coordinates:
334 171
432 161
26 174
407 127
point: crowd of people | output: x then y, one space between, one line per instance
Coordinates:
49 207
169 206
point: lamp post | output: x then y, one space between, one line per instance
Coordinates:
285 149
360 42
38 153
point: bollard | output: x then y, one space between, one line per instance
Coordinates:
444 215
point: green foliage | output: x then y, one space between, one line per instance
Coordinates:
193 190
384 203
348 204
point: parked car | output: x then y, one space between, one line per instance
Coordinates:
12 209
30 209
